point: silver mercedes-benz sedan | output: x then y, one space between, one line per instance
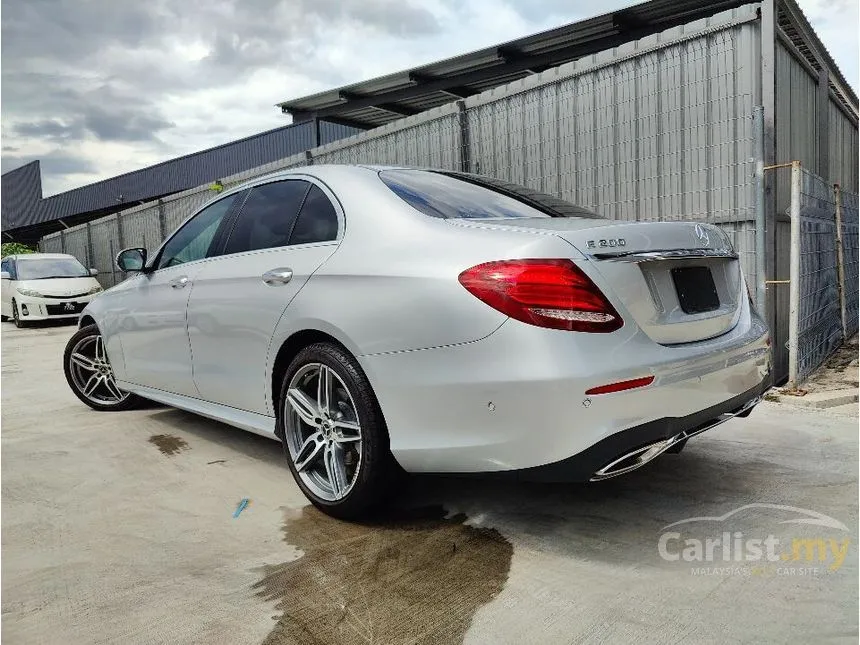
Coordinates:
376 320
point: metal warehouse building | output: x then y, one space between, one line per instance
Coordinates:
667 110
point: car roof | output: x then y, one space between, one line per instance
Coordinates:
40 256
319 171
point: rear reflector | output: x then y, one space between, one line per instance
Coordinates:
621 385
547 293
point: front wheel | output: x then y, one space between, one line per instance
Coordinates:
333 432
90 375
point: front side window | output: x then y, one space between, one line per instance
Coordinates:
268 216
192 241
45 268
452 195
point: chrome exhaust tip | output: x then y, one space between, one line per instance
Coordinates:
635 459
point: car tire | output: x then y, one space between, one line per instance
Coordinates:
15 316
86 345
370 470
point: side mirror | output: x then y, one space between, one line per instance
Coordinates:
94 272
4 275
131 259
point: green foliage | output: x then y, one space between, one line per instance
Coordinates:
15 248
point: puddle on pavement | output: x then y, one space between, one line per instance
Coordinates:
168 444
412 577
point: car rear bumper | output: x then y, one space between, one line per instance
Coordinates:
516 400
631 449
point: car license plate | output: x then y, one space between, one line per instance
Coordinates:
697 292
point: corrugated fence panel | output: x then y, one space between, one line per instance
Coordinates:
796 120
141 228
105 239
843 150
76 244
658 129
51 244
177 211
433 142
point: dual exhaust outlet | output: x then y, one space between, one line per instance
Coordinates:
635 459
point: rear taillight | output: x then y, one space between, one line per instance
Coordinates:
546 293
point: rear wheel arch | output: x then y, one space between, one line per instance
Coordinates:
289 349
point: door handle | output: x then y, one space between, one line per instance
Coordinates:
178 283
277 276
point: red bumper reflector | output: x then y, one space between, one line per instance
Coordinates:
621 385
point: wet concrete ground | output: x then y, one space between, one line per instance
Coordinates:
119 528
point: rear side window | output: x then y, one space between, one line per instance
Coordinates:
317 220
267 218
451 195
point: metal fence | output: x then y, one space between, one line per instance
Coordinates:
823 271
848 210
658 129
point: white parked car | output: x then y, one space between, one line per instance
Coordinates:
440 321
45 286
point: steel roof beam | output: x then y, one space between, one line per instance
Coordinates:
523 65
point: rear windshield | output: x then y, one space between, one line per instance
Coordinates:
453 195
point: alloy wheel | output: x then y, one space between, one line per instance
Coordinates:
92 374
322 431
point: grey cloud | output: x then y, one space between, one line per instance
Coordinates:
124 125
121 45
537 11
108 112
52 129
53 163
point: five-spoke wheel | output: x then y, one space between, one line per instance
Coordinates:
89 373
323 432
333 432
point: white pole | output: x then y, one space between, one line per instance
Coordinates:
759 198
794 275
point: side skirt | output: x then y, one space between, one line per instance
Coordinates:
251 421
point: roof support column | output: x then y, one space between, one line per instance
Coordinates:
463 125
768 102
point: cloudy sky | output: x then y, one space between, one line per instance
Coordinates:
95 88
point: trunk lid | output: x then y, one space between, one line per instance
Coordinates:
680 281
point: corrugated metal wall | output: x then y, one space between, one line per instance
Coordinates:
844 152
658 129
797 127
